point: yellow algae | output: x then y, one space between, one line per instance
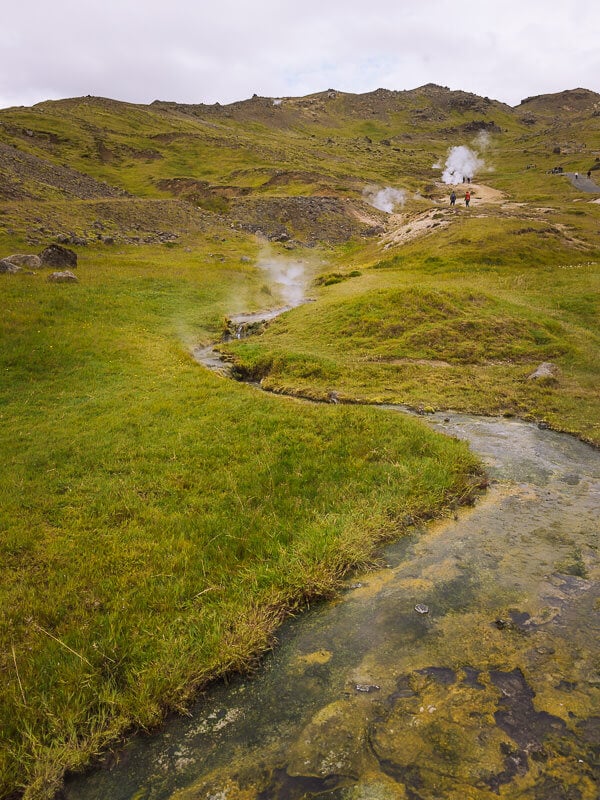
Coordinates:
318 657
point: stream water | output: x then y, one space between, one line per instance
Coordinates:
468 668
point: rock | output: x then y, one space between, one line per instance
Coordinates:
63 277
367 688
56 256
28 260
421 608
108 240
8 267
545 371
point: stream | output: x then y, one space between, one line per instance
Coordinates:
467 668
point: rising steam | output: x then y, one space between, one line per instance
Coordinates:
387 199
286 276
462 163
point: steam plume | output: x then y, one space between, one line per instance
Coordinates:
286 276
384 199
462 162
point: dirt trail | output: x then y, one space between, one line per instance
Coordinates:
406 227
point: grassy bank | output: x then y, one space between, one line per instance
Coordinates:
459 320
157 520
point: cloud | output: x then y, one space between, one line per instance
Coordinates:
208 52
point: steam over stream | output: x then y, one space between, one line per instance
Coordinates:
287 277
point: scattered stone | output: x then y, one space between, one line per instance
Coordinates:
421 608
28 260
333 397
367 687
545 371
56 256
8 267
63 277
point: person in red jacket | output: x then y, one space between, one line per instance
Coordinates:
467 198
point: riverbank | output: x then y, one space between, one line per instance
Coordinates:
159 521
467 666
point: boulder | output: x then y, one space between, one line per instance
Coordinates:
29 260
7 266
56 256
66 276
545 372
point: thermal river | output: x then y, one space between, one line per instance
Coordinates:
468 668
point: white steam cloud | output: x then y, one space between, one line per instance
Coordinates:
462 163
482 140
286 276
384 199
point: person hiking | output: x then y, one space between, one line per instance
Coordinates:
467 198
453 198
589 174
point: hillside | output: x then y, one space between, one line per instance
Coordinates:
242 162
161 520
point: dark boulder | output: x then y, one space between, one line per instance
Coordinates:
8 267
56 256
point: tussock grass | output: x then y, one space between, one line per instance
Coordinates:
157 520
489 304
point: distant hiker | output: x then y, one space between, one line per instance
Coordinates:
467 198
453 198
589 174
576 176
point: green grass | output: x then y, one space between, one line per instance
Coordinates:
158 520
459 320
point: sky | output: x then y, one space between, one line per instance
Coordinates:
194 51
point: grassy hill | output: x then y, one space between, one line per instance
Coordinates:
159 520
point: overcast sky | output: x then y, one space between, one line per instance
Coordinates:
196 51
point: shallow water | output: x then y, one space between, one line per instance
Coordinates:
495 691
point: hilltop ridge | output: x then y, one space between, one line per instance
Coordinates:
294 168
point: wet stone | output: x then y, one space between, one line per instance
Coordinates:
516 714
442 675
470 678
